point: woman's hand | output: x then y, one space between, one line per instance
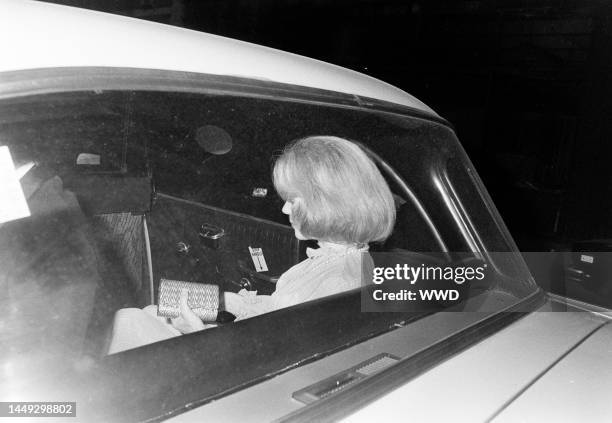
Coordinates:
234 303
187 321
247 304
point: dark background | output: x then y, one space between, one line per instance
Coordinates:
526 83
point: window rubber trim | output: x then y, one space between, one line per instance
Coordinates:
22 83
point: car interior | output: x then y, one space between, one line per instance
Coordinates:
137 187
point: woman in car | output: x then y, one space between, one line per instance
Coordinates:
333 193
336 195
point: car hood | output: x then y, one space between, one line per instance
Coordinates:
576 388
548 366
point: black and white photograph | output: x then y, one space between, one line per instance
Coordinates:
306 211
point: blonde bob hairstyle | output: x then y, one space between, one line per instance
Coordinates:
337 192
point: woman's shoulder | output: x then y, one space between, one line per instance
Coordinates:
348 267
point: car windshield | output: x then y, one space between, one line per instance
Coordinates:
126 188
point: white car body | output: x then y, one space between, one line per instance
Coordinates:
55 36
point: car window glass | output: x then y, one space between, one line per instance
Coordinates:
128 179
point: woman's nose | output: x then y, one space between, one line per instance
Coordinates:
286 208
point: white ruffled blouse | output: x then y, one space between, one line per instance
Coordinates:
328 270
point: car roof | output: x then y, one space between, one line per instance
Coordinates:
42 35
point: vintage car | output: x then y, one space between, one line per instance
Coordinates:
144 152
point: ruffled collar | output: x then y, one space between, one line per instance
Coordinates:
335 249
